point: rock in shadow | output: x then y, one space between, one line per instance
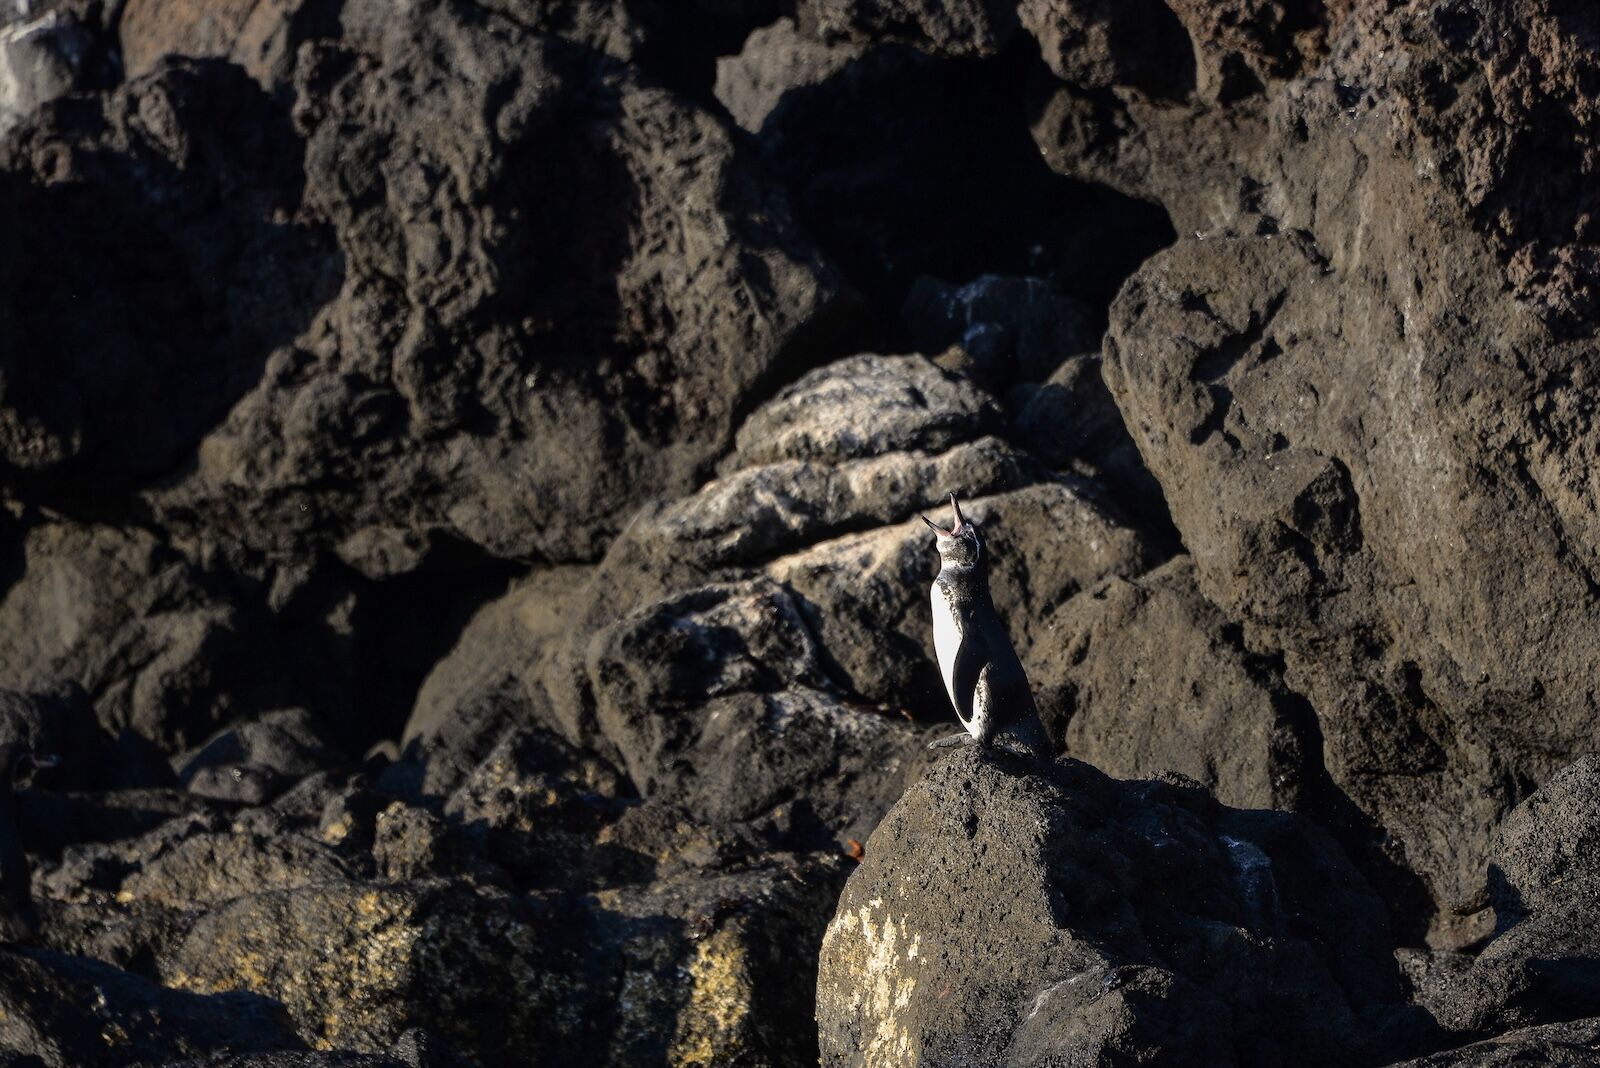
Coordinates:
69 1011
905 165
163 264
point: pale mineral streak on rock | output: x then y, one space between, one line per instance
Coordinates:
874 945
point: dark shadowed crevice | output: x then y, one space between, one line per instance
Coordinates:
159 281
1369 845
902 165
406 625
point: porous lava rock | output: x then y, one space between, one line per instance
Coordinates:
516 383
1022 913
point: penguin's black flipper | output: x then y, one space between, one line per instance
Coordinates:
971 656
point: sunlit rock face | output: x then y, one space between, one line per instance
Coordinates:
1009 913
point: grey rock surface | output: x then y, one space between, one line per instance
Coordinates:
459 474
607 362
1135 917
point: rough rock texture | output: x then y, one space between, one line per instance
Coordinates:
1097 44
1566 1045
1150 677
453 960
863 184
1542 964
775 59
763 726
73 1013
260 37
49 49
1356 390
156 643
459 474
520 385
1015 915
166 266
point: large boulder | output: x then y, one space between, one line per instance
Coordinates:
165 261
354 964
1439 643
1011 913
69 1012
512 362
1147 677
683 971
719 700
1419 549
161 646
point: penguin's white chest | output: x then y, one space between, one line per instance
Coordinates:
946 637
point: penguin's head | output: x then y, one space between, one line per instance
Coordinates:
960 546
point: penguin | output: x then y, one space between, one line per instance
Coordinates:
981 671
18 920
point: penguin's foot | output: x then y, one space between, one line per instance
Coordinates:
951 741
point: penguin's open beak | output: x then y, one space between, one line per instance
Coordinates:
960 520
936 528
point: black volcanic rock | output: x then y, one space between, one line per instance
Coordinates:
459 474
162 647
1332 542
1320 425
166 264
275 750
718 700
1147 676
692 967
75 1013
519 354
1543 963
1564 1045
1016 914
967 195
962 28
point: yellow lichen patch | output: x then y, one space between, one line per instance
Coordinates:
339 982
876 951
714 1021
